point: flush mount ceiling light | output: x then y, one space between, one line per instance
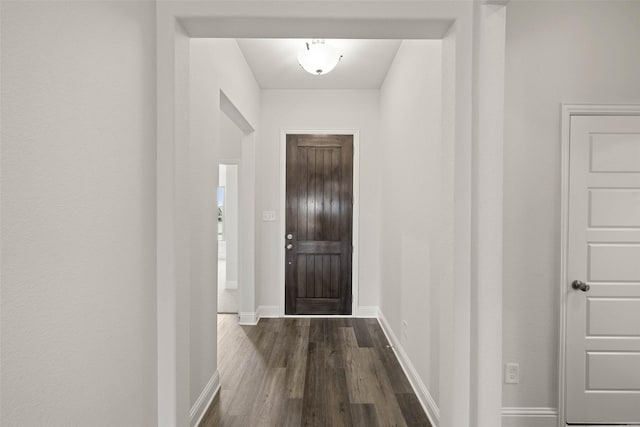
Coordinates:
318 58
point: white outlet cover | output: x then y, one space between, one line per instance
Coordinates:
512 373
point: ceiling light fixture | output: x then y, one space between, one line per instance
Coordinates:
318 58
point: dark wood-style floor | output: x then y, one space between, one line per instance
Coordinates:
310 372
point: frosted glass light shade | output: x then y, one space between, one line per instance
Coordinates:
318 58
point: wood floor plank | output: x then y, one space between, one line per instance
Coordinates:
282 346
364 415
362 333
387 407
268 404
230 364
412 410
358 371
310 372
326 400
313 400
297 361
291 415
254 369
333 339
395 373
338 406
316 331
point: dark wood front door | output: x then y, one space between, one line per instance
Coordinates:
319 223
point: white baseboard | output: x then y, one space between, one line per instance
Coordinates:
425 398
204 400
231 284
529 417
248 318
368 311
268 311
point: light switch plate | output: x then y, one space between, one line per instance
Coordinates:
268 215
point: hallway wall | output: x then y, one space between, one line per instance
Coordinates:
230 139
416 252
216 64
315 110
78 288
571 52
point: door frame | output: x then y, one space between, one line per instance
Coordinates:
355 288
237 163
473 113
567 112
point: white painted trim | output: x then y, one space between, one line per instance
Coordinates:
422 393
268 311
319 316
487 204
368 311
529 411
231 284
379 20
568 110
248 318
355 288
204 400
529 417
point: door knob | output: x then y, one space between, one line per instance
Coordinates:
289 246
289 236
580 285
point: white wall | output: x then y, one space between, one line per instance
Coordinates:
216 64
78 221
316 110
230 139
412 243
571 52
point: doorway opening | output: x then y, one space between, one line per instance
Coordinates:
180 22
227 235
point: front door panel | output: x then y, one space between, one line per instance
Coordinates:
319 217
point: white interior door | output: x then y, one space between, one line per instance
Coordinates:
603 322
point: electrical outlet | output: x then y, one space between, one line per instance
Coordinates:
512 373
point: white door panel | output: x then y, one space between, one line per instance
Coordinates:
613 317
613 371
613 262
614 207
615 152
603 324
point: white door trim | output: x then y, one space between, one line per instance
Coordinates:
176 22
569 110
355 288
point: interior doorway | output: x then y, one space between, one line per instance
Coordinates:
227 235
177 22
601 279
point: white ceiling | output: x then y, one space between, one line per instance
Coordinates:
275 63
